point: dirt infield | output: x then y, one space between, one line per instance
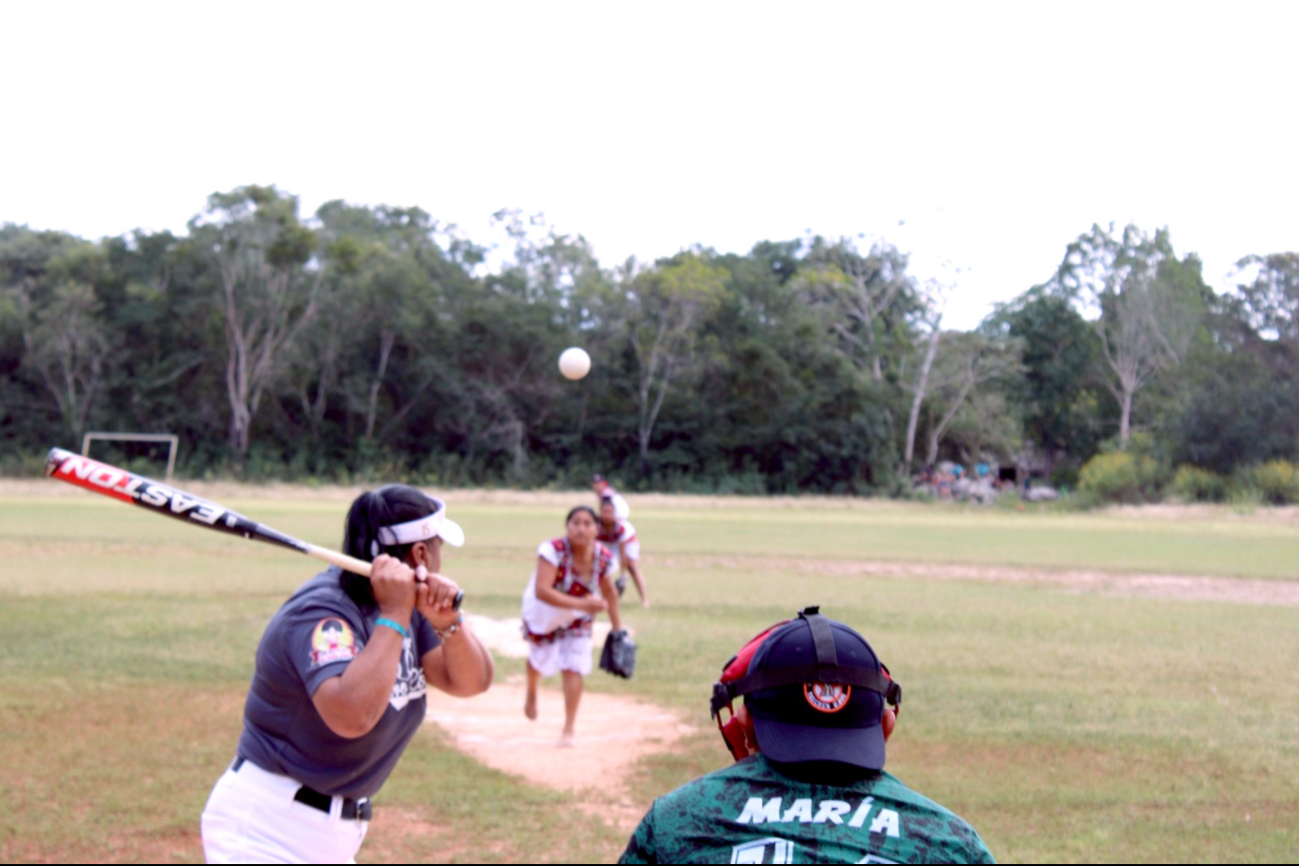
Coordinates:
613 732
1280 593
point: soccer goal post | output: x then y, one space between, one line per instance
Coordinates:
172 443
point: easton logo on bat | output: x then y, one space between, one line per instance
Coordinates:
162 499
127 487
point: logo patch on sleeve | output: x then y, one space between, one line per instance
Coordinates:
827 697
332 641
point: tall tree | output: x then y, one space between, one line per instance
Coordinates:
1271 294
50 280
920 390
167 365
1240 402
68 345
966 361
868 298
266 293
1060 396
388 279
1149 305
666 306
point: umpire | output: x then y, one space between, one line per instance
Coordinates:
808 785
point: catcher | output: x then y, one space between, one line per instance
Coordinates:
808 785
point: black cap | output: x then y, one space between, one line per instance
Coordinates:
822 719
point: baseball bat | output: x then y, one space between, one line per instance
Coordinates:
161 499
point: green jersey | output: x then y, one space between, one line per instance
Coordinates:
751 813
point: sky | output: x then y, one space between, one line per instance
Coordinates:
978 138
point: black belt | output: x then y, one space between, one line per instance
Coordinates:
353 810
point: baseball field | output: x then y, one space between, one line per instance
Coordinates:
1111 686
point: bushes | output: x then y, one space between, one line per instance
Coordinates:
1121 477
1199 485
1134 478
1275 482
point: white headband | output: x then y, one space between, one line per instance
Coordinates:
435 525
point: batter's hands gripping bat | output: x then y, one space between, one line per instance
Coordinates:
160 499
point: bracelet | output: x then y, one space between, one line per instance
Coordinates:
395 626
445 633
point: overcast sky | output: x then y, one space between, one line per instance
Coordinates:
979 138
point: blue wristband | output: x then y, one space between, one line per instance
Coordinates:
395 626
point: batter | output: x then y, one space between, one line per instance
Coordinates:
339 689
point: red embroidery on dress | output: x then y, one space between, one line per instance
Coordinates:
575 587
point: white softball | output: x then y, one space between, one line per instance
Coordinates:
574 363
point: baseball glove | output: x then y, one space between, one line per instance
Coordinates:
619 655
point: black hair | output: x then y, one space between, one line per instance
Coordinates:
387 506
588 509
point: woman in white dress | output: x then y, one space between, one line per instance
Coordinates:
572 583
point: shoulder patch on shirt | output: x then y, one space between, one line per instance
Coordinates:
332 641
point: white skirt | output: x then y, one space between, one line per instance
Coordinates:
569 652
251 817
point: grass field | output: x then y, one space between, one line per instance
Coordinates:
1064 724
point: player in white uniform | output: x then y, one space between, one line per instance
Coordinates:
571 584
620 537
606 493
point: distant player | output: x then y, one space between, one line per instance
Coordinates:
571 584
606 493
808 785
339 689
620 537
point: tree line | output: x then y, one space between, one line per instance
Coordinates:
377 342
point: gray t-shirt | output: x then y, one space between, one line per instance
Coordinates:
313 637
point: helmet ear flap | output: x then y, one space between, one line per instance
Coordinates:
734 734
893 694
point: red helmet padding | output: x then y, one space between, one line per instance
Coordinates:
739 665
733 733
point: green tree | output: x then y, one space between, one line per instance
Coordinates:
49 282
170 343
1271 294
1059 396
868 300
1149 303
665 306
1240 403
966 363
390 281
774 405
266 294
928 352
68 345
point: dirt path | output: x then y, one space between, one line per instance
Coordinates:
613 732
1280 593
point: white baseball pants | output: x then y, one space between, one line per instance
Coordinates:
251 817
